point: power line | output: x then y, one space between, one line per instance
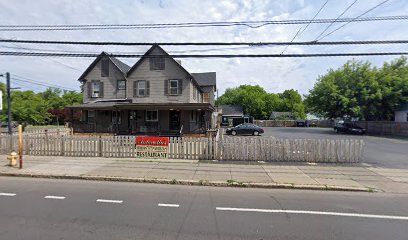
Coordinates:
314 17
354 19
78 55
252 44
328 26
31 81
297 33
250 24
53 60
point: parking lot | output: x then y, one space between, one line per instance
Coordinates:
379 151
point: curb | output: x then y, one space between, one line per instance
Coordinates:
195 182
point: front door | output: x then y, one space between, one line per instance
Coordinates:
132 123
174 122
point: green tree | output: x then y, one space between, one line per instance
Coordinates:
29 107
291 101
258 103
359 90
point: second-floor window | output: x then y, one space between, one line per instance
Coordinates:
206 97
96 89
105 68
141 88
174 86
121 84
194 92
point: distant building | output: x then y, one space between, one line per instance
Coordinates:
229 112
281 116
401 113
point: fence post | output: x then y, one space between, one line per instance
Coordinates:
100 146
62 145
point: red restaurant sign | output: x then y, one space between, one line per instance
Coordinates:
152 147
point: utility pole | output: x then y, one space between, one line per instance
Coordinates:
10 129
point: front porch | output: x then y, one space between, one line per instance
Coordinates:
138 119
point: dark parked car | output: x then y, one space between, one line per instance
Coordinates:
245 128
349 128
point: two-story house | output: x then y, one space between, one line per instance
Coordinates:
156 96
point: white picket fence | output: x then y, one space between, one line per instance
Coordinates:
40 131
220 148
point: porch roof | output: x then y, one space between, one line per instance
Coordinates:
144 106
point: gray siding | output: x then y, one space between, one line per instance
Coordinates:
109 83
156 77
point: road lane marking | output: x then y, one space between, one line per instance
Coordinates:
313 213
168 205
8 194
55 197
109 201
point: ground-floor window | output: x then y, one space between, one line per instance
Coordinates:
116 115
152 115
91 116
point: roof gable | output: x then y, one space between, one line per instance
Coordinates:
145 56
121 66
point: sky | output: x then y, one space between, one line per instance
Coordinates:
273 74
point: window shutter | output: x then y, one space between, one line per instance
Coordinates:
101 89
180 85
134 88
166 87
89 89
147 88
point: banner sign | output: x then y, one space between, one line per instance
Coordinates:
152 147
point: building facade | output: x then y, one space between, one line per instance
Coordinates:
157 96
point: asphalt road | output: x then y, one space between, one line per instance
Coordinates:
379 151
71 209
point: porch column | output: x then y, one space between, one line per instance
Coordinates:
117 121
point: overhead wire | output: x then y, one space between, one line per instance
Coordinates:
250 24
77 55
298 33
53 60
354 19
40 83
251 44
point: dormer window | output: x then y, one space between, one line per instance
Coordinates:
157 63
105 68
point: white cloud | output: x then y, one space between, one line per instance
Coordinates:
275 75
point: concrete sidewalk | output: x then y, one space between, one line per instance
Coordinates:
273 175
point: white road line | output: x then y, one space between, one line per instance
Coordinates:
8 194
55 197
313 213
168 205
109 201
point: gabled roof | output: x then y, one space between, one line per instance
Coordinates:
231 110
206 78
122 67
137 64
